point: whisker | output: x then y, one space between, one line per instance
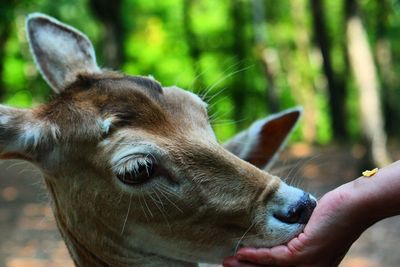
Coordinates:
16 164
228 122
161 209
289 178
218 115
148 208
211 106
203 92
127 214
303 164
191 88
162 191
153 199
306 161
167 190
242 237
120 197
208 89
141 205
227 76
158 200
285 166
214 96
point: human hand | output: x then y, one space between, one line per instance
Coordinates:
337 221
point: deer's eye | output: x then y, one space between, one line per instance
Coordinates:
140 171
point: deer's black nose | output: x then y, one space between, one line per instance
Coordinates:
300 212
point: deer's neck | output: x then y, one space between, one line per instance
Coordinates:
83 257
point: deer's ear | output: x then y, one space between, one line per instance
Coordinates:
60 51
22 135
261 142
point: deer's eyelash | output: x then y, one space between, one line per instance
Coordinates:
133 163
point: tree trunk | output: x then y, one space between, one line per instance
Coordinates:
299 76
193 45
390 97
267 56
113 41
364 70
6 20
336 88
239 51
5 30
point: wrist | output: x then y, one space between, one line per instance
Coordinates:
354 207
364 204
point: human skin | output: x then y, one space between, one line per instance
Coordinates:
341 216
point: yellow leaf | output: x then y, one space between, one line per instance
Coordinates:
370 173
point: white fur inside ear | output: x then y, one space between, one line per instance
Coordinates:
31 135
4 119
106 125
35 133
54 132
60 52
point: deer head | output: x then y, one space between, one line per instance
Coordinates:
136 175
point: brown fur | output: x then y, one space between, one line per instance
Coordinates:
220 191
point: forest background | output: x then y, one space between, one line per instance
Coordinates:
248 58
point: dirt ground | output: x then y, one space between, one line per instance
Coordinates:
29 237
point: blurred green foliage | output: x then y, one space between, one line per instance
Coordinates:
158 41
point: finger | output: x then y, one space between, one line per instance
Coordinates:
234 262
280 256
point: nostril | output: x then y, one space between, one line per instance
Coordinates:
307 206
290 217
299 212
